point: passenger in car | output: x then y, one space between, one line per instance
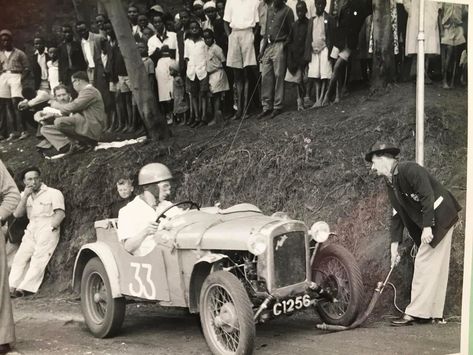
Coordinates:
137 221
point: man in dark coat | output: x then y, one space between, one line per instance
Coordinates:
429 212
71 58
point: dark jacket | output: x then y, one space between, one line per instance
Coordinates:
351 18
36 70
330 28
414 194
77 61
296 45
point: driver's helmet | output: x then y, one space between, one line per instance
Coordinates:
153 173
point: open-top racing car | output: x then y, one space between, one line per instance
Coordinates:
235 267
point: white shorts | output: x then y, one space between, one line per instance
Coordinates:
344 54
10 85
320 66
241 49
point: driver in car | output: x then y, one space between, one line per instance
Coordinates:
137 221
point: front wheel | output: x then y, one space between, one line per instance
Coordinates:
226 315
336 270
103 314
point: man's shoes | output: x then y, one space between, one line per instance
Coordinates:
75 148
11 137
5 348
263 114
20 293
408 320
276 112
64 149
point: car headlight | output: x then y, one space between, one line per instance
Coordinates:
256 244
319 231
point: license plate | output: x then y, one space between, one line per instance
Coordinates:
291 304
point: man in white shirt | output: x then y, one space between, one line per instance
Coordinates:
137 224
241 17
38 64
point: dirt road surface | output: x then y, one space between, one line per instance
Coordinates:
56 327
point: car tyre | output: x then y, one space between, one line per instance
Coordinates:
226 315
103 314
335 268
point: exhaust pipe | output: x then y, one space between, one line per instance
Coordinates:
377 292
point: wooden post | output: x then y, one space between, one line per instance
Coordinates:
420 87
145 97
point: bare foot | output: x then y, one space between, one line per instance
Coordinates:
337 100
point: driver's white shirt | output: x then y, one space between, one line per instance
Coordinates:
136 215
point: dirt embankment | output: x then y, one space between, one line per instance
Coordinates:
308 164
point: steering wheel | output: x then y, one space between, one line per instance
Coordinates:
192 203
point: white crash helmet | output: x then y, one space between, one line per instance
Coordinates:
153 173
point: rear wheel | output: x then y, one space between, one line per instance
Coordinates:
226 315
336 270
103 314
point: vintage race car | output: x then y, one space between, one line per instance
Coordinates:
235 267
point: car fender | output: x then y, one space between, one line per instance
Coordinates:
202 268
103 252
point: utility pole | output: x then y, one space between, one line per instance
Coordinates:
420 87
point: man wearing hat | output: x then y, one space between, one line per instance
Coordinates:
216 24
429 212
137 223
14 66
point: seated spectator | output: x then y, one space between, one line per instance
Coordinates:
218 81
44 207
137 223
83 120
125 190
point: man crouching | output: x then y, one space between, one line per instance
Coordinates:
137 220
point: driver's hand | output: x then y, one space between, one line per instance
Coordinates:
152 228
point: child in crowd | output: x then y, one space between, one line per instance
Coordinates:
125 191
317 51
53 67
147 34
197 82
148 63
179 92
218 81
296 65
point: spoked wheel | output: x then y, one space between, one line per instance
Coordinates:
226 315
103 314
336 270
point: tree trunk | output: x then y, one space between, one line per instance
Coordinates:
82 10
383 46
143 94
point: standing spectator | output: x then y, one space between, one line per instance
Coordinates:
53 67
215 24
39 65
181 36
92 49
132 14
70 56
100 20
220 5
14 67
241 18
180 107
197 82
351 18
125 191
188 6
143 24
296 65
198 11
431 31
273 58
9 197
318 47
452 38
218 81
162 49
429 212
44 207
83 119
148 63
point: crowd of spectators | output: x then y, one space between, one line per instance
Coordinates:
209 61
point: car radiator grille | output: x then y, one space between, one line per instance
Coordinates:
289 252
